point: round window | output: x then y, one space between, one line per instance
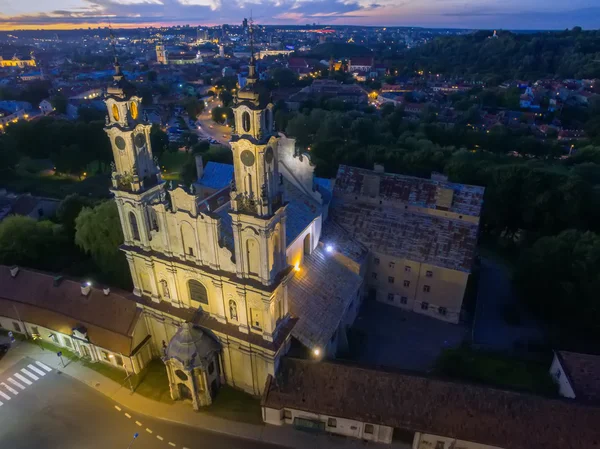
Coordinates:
247 158
120 143
246 121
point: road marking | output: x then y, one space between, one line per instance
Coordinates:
35 370
159 437
43 366
118 408
23 379
1 404
27 373
128 415
11 389
5 396
171 444
14 382
148 430
138 423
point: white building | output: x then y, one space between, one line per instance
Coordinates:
421 412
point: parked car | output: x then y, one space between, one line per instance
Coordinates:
3 349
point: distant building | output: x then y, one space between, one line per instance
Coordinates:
17 62
362 64
161 54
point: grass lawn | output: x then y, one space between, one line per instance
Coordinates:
235 405
496 370
153 382
171 163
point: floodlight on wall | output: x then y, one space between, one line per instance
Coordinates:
329 248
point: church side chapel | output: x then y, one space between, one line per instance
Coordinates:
226 282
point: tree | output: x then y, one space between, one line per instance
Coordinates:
158 140
9 156
152 76
558 278
193 107
25 241
68 210
59 102
99 234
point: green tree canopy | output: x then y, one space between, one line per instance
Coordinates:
99 233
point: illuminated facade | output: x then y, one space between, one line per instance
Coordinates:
16 62
224 262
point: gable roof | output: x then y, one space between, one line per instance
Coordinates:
109 319
319 295
406 401
216 175
583 371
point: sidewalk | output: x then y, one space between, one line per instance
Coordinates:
181 412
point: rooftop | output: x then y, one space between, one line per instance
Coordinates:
409 234
319 295
420 404
466 199
216 175
57 304
583 371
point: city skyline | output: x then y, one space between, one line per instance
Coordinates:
511 14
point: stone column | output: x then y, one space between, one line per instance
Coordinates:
153 284
194 389
219 302
137 291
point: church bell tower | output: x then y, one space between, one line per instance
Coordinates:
257 207
136 180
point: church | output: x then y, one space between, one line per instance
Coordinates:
226 278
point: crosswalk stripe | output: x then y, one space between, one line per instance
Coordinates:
23 379
36 370
14 382
30 374
9 388
43 366
5 396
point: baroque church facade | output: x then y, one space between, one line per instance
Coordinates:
223 263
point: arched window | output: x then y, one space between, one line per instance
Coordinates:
246 121
135 232
164 287
197 291
153 218
268 119
233 310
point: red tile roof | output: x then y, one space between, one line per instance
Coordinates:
109 319
420 404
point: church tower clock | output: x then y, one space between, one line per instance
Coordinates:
257 207
136 181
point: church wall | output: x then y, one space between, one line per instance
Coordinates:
295 249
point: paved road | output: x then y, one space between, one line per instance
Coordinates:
41 408
217 131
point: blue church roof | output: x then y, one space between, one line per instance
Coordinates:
216 175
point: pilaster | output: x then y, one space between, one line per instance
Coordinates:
219 301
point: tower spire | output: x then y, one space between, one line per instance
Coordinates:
252 65
118 75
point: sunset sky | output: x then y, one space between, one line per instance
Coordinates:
507 14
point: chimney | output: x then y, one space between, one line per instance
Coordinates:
86 288
14 270
106 291
378 168
199 166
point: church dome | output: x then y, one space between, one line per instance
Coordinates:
192 346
